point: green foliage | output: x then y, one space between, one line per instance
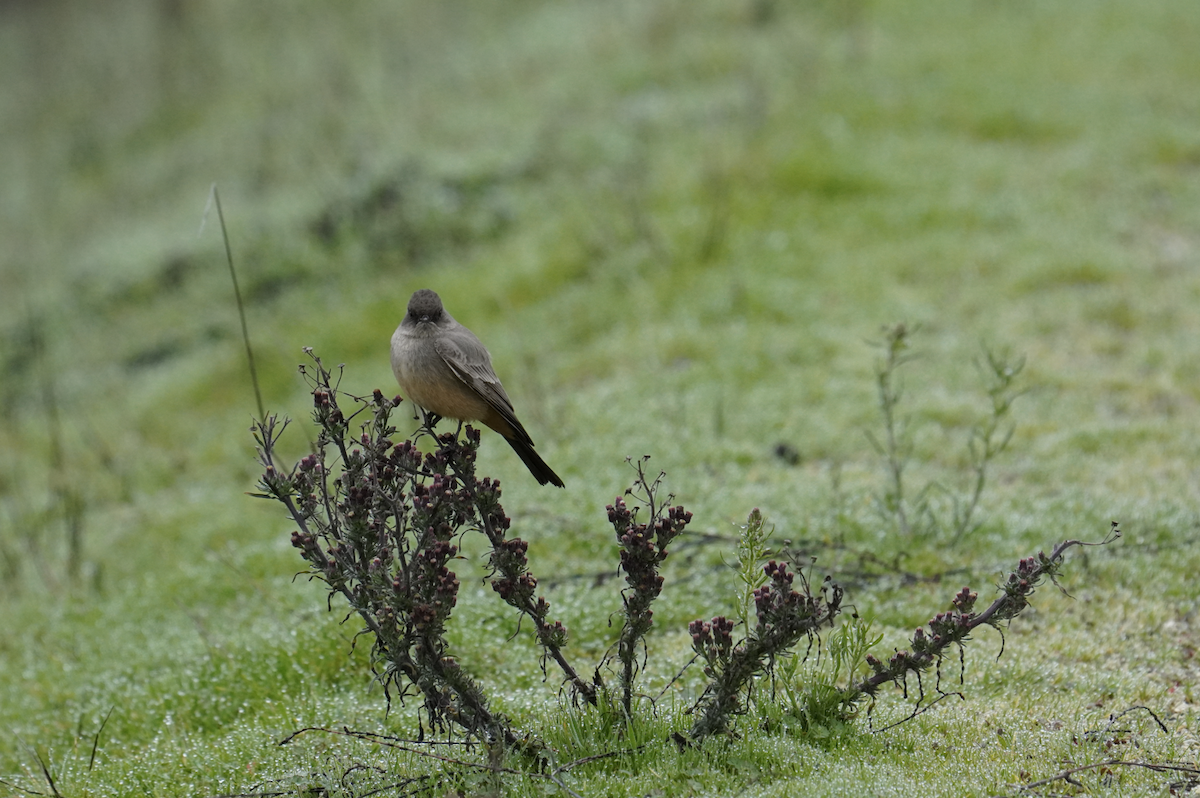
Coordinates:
896 448
674 224
917 516
752 554
990 436
812 702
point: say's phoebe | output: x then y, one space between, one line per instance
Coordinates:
445 369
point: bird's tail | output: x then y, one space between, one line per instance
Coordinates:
533 461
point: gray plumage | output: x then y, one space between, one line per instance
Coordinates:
442 367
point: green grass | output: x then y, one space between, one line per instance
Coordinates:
677 228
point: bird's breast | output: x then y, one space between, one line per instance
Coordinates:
426 380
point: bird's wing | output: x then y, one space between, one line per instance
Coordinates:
469 360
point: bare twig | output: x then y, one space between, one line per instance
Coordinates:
1158 767
552 776
1112 720
214 198
919 708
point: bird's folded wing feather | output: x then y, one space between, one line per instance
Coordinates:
469 361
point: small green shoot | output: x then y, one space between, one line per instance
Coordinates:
752 553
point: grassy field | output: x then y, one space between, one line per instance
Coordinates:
680 228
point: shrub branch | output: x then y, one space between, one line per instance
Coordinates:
951 629
643 550
784 616
377 521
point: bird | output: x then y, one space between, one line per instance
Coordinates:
446 370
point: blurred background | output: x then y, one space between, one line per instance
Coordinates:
678 225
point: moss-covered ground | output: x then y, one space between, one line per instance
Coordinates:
679 227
